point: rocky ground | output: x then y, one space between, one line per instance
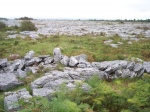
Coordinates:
126 30
75 69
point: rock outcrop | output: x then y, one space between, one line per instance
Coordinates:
75 69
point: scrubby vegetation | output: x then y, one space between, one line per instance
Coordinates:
24 18
2 26
27 25
121 95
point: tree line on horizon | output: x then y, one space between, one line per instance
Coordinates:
115 20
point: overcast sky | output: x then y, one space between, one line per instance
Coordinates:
76 9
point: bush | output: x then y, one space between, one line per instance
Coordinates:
24 18
27 25
2 25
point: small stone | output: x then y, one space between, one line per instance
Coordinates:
29 55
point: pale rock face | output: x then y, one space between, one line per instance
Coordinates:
57 55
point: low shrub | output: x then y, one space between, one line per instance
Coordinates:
2 25
27 25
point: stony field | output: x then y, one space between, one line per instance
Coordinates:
75 27
75 66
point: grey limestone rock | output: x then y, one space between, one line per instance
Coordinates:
146 66
34 60
21 73
81 58
118 73
103 75
33 69
126 73
29 55
131 65
42 92
100 65
57 55
8 80
138 67
11 99
48 60
3 63
65 60
86 73
73 61
84 65
110 66
40 82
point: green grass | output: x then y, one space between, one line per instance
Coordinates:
94 47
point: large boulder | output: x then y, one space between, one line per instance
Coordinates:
8 80
11 99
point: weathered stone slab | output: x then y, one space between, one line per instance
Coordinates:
8 80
